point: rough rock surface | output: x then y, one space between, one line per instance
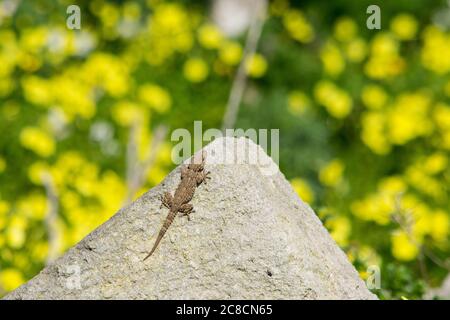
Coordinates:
250 237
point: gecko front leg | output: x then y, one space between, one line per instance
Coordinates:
202 177
166 200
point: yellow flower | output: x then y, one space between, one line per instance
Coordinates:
374 97
345 29
332 59
404 26
337 102
331 174
256 65
298 102
10 279
34 39
105 71
402 247
298 27
37 90
356 50
375 207
195 70
303 190
373 132
33 206
230 53
6 86
2 164
392 186
155 97
441 115
385 60
436 50
435 163
170 30
210 36
37 140
156 175
408 118
340 229
15 233
127 113
36 172
440 225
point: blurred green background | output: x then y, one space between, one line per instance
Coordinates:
364 119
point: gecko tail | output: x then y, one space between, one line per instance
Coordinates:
163 230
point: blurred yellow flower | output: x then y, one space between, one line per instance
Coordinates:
336 101
4 207
195 70
155 97
127 113
436 50
385 60
36 172
109 14
106 71
37 140
392 186
298 102
170 30
37 90
356 50
374 132
34 39
340 229
331 174
256 65
408 118
440 225
210 36
6 86
374 97
10 279
345 29
15 232
441 115
131 10
303 190
156 175
435 163
33 206
332 59
404 26
230 53
298 27
402 247
2 164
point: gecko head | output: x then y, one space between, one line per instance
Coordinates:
197 167
196 164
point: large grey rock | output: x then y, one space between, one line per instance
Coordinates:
251 237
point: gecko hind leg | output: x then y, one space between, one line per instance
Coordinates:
186 210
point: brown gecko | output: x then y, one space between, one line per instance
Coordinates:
192 176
